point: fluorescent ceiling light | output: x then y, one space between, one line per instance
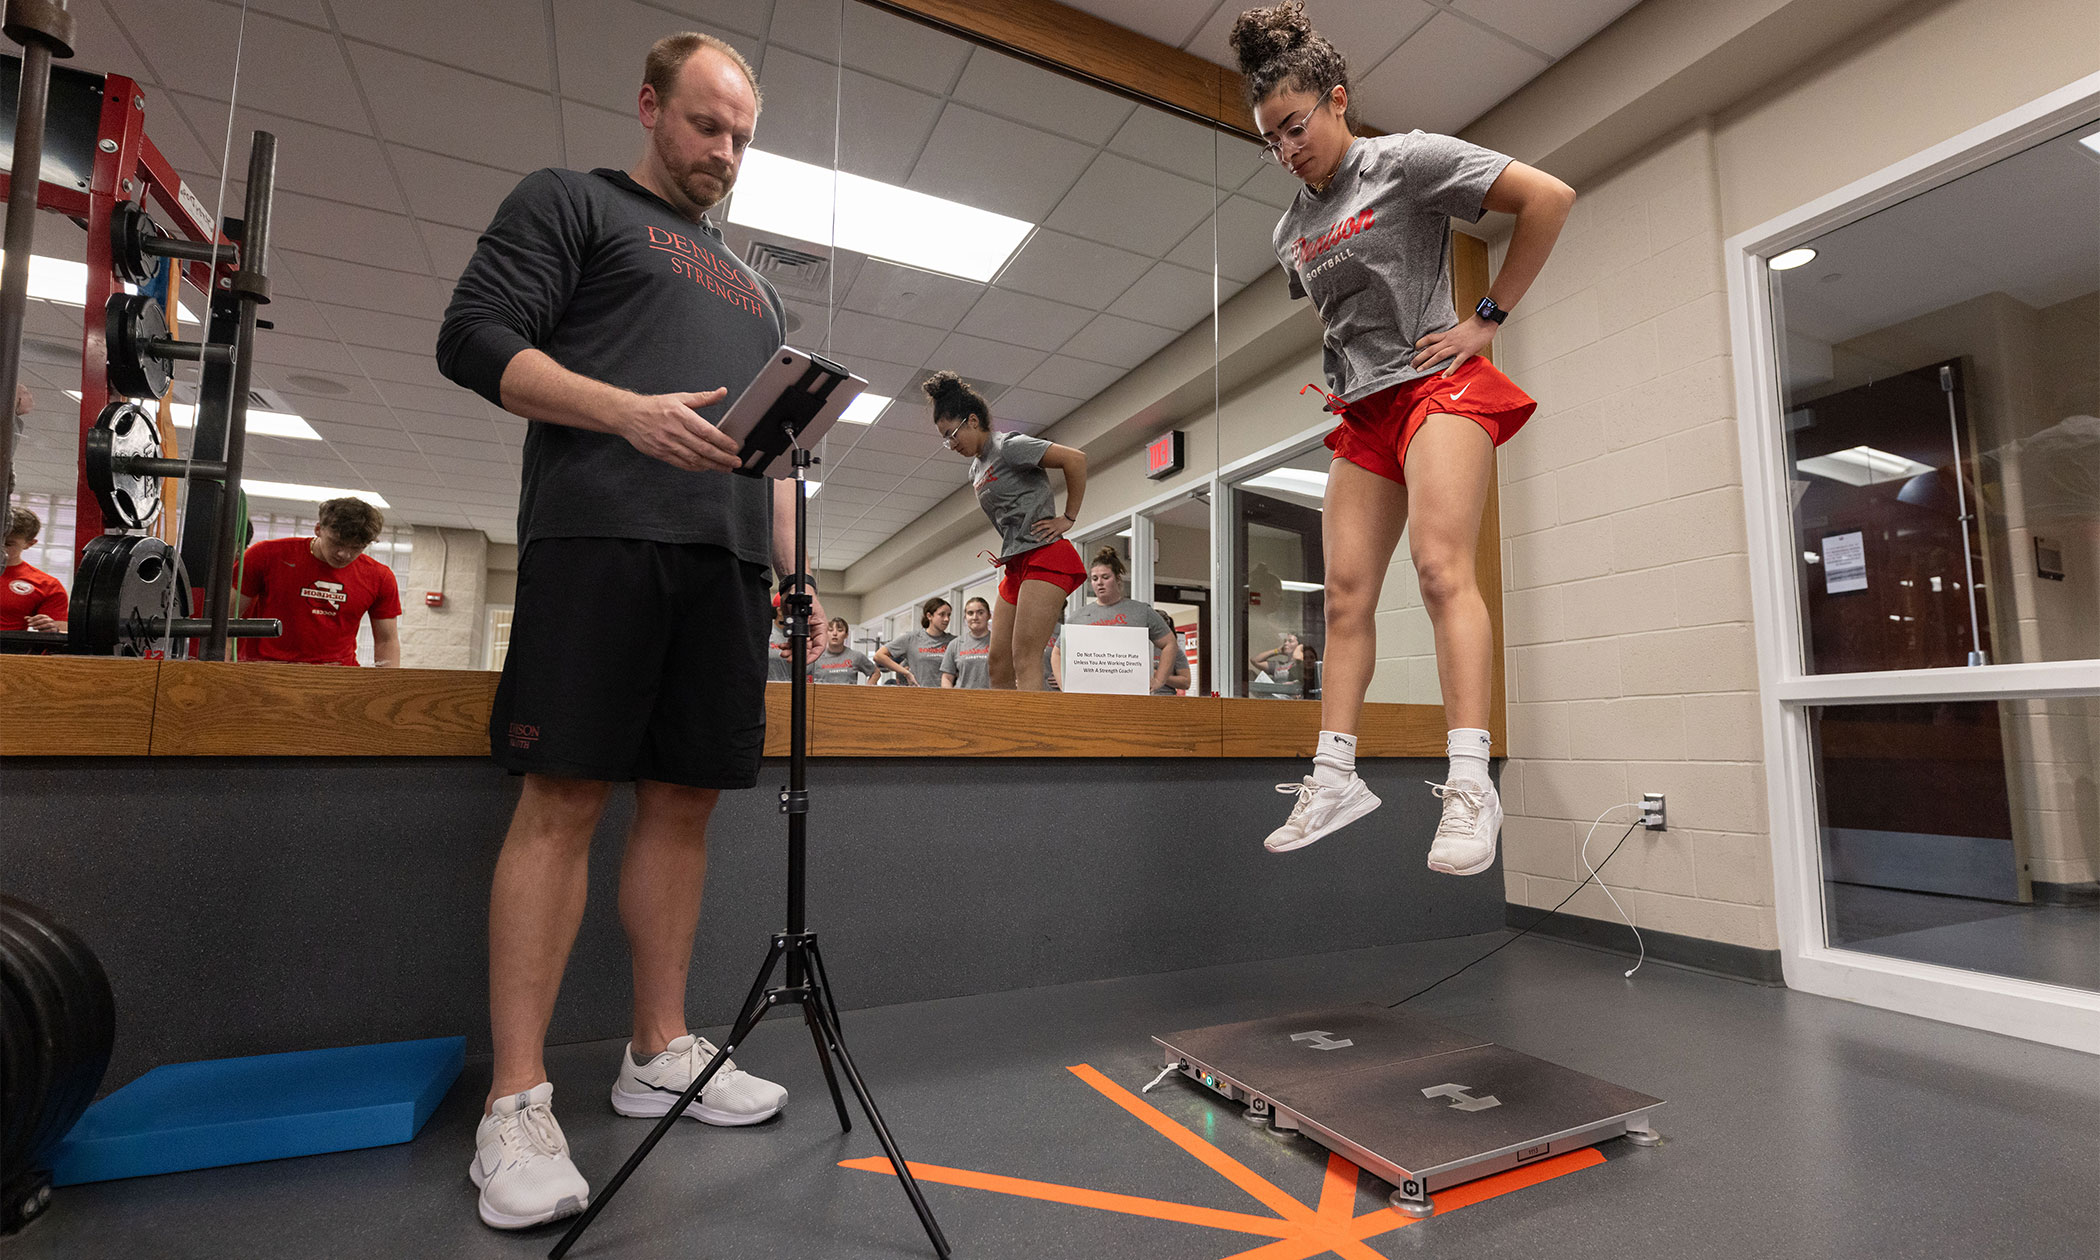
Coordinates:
791 198
308 494
261 423
1862 466
866 409
1292 480
814 486
59 280
2091 143
1793 258
1302 586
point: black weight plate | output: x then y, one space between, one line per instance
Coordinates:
130 322
148 588
90 1017
38 989
124 430
18 1055
79 970
130 227
83 634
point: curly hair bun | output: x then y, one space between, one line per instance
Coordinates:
1264 36
943 385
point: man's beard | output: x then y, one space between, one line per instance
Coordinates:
707 187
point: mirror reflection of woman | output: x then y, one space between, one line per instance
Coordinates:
914 659
1040 567
1112 606
1368 239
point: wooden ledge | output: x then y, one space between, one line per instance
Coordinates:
70 706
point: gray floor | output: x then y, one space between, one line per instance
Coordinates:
1798 1127
2044 943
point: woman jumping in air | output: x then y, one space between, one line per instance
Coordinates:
1041 567
1368 239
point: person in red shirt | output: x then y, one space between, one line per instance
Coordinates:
320 588
30 599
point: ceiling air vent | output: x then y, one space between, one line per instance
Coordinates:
788 268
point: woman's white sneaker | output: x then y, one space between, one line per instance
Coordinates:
522 1166
1322 810
1466 835
733 1097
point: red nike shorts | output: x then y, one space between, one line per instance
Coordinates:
1057 563
1376 429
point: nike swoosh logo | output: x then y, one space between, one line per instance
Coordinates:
1461 393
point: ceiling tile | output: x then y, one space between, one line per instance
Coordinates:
313 226
285 68
1161 139
877 42
365 455
1022 320
383 329
503 38
1272 185
1123 203
601 45
1068 269
1171 22
923 297
890 340
1241 241
978 357
1364 32
875 129
997 165
1073 377
1445 76
450 248
326 162
1555 29
449 401
393 365
594 137
1012 88
1029 407
1114 339
98 41
447 190
314 354
1169 295
381 288
439 108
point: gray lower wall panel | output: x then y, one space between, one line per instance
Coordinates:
245 906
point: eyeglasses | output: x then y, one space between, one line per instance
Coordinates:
1290 137
948 435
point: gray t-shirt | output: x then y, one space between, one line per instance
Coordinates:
848 666
1013 489
1182 655
777 667
1373 251
921 651
970 662
1124 612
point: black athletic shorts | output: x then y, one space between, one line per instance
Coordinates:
632 659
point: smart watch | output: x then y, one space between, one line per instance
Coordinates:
1488 310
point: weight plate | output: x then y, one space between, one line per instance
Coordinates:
124 430
131 322
34 984
18 1059
130 227
88 1027
83 635
148 584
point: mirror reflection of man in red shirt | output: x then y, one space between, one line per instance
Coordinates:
30 599
320 588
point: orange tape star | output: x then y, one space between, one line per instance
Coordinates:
1299 1232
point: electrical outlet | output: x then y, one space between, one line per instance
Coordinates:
1652 812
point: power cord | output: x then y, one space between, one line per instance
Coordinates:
1593 875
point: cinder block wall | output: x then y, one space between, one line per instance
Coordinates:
456 562
1627 597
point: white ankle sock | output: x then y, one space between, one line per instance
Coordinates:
1467 747
1334 758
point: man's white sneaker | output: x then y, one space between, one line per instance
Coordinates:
1465 836
522 1166
732 1097
1322 810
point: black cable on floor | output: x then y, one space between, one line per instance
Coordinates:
1534 923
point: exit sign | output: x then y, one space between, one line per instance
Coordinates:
1163 455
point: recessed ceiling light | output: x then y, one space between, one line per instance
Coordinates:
1302 587
2091 143
806 201
866 409
65 282
1293 480
261 423
1793 258
307 494
1862 466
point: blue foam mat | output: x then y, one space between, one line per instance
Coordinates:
271 1106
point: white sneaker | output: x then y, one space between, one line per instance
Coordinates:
1466 835
1321 811
732 1097
522 1166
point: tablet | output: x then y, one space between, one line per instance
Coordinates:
794 401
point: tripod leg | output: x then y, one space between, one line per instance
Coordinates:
838 1100
755 1007
882 1134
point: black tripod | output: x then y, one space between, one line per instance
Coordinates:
807 985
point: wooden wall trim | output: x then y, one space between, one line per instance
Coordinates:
66 706
69 706
1093 50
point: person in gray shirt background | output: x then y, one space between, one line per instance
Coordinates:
968 665
840 664
915 658
1111 607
